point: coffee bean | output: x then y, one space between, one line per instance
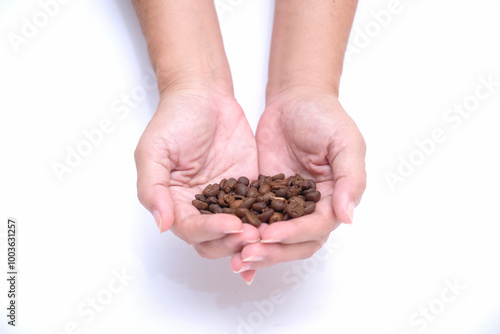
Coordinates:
229 210
252 219
309 207
279 176
199 204
265 215
241 189
205 212
275 217
247 203
282 192
236 204
313 196
252 192
211 190
265 189
259 206
215 208
211 200
278 204
294 209
200 197
254 184
230 184
244 180
240 212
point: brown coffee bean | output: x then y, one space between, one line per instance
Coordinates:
294 209
252 219
281 192
244 180
211 190
262 179
265 189
211 200
313 196
240 212
307 191
215 208
205 212
200 205
228 210
241 189
292 191
278 204
222 184
268 180
247 203
230 184
279 176
254 184
265 215
297 199
309 207
309 184
276 217
200 197
252 192
259 206
236 204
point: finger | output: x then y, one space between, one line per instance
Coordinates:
196 228
228 244
306 228
238 268
261 255
153 179
347 159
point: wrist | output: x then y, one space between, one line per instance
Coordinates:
300 86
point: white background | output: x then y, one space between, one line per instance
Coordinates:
438 227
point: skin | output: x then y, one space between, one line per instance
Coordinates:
199 134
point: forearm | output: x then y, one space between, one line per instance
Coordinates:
184 43
308 44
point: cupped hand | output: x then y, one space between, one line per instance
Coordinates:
307 132
195 138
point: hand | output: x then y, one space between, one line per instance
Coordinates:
195 138
306 131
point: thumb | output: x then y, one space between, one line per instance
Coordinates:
153 180
347 161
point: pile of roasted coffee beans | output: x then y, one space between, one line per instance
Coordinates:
266 200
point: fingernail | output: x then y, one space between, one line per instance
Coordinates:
270 241
246 242
350 212
249 282
244 268
233 231
253 258
158 219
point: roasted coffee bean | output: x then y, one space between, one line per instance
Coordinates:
279 176
247 203
259 206
282 192
265 189
228 210
252 219
244 180
307 191
215 208
268 180
241 189
200 205
236 204
240 212
254 184
275 217
265 215
292 191
205 212
294 209
313 196
200 197
211 200
278 204
262 179
309 184
309 207
222 184
211 190
230 184
297 199
252 192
